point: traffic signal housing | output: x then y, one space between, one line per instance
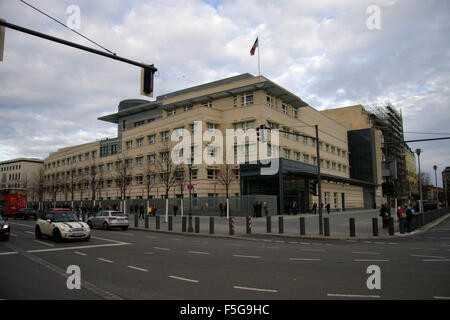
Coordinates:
147 77
313 187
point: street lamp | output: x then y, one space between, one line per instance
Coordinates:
418 151
93 186
435 174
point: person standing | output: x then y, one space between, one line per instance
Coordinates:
409 219
266 208
221 209
314 208
141 211
328 208
175 209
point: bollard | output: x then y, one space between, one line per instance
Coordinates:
280 225
375 227
326 222
211 225
146 221
183 224
269 224
352 227
190 229
157 222
249 224
231 226
402 225
391 227
197 224
82 216
302 226
170 224
136 221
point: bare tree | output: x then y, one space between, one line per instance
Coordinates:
123 174
167 170
227 176
149 177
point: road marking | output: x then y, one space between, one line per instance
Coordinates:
174 239
305 243
150 237
29 232
19 224
351 295
183 279
267 247
255 289
164 249
80 253
8 253
105 260
365 252
267 240
136 268
293 242
14 235
304 259
445 245
370 260
79 247
421 256
45 244
313 250
242 256
442 298
435 260
280 241
149 253
198 252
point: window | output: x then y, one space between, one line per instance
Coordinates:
103 151
178 132
165 135
80 157
151 178
194 128
344 168
124 125
344 153
212 126
333 149
212 174
269 101
151 158
140 142
139 123
284 108
207 104
152 139
295 112
139 179
248 125
305 140
194 174
333 165
128 163
297 156
338 152
101 167
171 112
287 153
164 155
247 99
296 135
187 108
306 158
139 160
314 160
113 149
328 164
129 144
235 101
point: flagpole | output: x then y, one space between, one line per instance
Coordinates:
259 61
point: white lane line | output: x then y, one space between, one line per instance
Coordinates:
351 295
175 239
163 249
79 247
243 256
45 244
304 259
136 268
422 256
442 298
13 235
105 260
150 237
255 289
293 242
267 240
365 252
198 252
370 260
149 252
435 260
80 253
268 247
313 250
305 243
19 224
183 279
8 253
29 232
280 241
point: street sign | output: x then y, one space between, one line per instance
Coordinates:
190 186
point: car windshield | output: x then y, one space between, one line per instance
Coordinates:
66 217
117 214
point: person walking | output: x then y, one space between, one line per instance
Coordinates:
255 209
175 209
266 208
314 208
409 219
328 208
384 216
221 209
141 211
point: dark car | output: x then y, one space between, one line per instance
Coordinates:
4 228
26 213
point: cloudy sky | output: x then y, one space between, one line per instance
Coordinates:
331 53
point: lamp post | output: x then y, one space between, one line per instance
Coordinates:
93 186
190 191
418 151
435 174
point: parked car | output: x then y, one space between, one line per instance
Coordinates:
4 228
25 213
108 219
61 224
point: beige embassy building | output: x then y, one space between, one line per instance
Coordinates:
134 165
23 173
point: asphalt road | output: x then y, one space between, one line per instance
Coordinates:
138 264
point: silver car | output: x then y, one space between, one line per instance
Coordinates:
108 219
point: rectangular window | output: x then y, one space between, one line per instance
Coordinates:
248 125
295 112
152 138
247 99
194 174
139 123
287 153
187 108
212 174
139 180
235 101
297 156
139 161
269 101
207 104
140 142
128 163
171 112
306 158
164 135
212 126
284 108
113 149
129 144
151 158
178 132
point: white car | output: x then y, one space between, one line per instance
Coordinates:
61 224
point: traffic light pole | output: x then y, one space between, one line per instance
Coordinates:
319 182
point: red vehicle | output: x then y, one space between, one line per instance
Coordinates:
12 200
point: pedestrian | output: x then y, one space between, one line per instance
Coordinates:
149 210
409 219
255 209
221 209
136 208
175 209
141 211
294 207
314 208
266 208
225 209
328 208
384 216
154 209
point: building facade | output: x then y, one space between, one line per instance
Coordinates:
136 164
22 173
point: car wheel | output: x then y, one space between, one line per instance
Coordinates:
57 235
87 238
89 223
105 226
38 233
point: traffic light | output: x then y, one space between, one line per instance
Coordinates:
147 76
387 189
313 187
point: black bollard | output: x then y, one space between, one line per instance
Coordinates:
402 225
157 222
197 224
302 226
280 225
269 224
190 229
170 224
136 221
211 225
183 224
231 226
326 223
146 221
352 227
391 227
375 227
